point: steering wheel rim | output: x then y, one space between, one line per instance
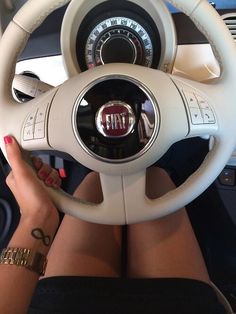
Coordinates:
122 204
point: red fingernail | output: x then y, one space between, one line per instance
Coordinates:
49 181
43 174
8 140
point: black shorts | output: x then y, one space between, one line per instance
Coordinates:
85 295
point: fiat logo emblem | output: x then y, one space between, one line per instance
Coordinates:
115 119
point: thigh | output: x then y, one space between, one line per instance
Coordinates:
166 247
85 249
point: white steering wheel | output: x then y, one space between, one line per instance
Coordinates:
180 108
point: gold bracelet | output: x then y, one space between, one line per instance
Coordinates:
27 258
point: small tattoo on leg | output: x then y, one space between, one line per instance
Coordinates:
39 235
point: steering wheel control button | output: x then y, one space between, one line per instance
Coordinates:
196 116
199 109
28 133
208 116
115 119
191 100
41 114
39 131
203 104
31 119
34 127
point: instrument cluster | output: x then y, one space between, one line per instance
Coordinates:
136 32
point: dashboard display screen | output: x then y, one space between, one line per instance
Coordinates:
219 4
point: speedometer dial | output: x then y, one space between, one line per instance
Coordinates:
118 39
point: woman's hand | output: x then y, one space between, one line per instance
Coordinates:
30 194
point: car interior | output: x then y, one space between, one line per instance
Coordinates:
84 36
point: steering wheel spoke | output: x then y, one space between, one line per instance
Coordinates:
113 197
124 196
135 197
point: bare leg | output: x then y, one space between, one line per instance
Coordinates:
85 249
165 248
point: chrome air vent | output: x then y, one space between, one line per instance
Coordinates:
230 21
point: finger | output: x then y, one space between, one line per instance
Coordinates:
57 183
44 171
57 180
53 179
14 155
37 162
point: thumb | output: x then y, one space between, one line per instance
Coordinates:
14 154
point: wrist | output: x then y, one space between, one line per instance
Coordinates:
47 216
47 223
35 232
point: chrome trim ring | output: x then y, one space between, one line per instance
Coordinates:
156 125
